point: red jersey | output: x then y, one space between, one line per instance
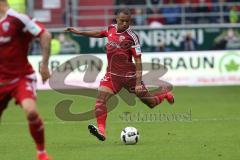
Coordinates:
121 47
16 33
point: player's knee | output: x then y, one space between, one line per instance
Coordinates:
29 106
32 116
30 110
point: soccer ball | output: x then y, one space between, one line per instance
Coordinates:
129 135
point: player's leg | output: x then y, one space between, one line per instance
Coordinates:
3 103
106 90
25 96
152 100
5 97
3 106
36 126
104 94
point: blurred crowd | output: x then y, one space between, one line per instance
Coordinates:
173 12
155 13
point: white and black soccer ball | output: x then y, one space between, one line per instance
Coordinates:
129 135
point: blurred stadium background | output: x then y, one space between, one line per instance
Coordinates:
197 40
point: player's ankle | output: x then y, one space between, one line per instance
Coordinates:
41 149
102 133
101 129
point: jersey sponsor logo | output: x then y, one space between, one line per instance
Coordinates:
5 26
113 44
125 45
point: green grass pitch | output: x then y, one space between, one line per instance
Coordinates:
204 123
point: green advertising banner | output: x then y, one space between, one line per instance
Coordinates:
153 39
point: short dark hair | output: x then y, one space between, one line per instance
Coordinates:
3 0
123 10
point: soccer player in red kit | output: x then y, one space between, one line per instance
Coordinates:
17 78
123 44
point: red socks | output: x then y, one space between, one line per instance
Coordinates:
36 128
159 97
101 114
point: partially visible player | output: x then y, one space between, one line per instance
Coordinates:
17 78
123 44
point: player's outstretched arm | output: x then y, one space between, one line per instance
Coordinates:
45 41
96 34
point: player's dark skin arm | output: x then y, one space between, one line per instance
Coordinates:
96 34
138 62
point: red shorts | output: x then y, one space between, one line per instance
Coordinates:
116 83
18 89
